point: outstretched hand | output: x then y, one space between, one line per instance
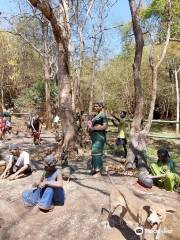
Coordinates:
13 177
112 113
3 176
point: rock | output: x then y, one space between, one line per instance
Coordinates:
144 180
2 166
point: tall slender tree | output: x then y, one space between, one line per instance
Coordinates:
138 133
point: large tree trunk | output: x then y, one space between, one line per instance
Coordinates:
137 145
137 134
64 89
47 73
62 36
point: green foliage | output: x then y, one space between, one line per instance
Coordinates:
21 66
157 12
34 97
155 9
115 82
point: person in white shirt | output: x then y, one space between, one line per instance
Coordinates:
18 164
56 121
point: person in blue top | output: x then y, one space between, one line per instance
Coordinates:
48 191
165 166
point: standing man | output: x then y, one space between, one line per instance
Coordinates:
35 125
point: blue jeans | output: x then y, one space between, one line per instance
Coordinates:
44 197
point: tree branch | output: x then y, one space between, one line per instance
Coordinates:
174 40
46 9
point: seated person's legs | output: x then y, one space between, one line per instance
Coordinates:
46 199
59 196
31 197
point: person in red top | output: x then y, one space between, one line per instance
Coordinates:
2 126
36 128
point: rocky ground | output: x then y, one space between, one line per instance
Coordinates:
80 218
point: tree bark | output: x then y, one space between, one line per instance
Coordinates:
47 74
81 60
2 92
177 99
137 145
91 85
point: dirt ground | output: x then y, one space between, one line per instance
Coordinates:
80 218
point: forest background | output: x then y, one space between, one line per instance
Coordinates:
106 64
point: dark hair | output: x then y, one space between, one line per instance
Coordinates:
100 104
123 112
163 152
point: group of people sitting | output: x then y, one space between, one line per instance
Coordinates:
46 192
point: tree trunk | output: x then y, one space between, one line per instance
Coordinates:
81 59
91 87
47 74
155 68
64 90
62 35
2 92
137 145
177 99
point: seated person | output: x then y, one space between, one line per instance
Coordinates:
165 166
18 164
48 190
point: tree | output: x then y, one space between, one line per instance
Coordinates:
138 134
176 71
81 14
137 144
61 34
34 31
154 69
